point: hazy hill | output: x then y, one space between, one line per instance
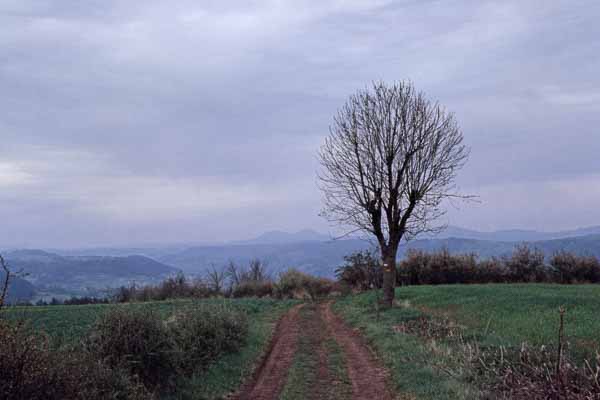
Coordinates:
18 290
280 237
321 258
307 250
314 257
85 274
514 235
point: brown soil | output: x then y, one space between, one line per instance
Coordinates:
368 378
271 375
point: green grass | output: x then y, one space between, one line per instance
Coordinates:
68 324
302 376
513 314
227 374
491 314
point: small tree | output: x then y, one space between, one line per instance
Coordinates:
216 279
5 282
388 163
361 270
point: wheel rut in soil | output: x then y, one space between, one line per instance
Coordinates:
271 375
367 378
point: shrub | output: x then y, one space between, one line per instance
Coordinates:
92 379
25 362
83 300
174 287
523 265
421 268
31 370
569 268
319 287
253 281
292 284
253 289
526 265
295 284
200 335
155 352
492 270
136 341
361 271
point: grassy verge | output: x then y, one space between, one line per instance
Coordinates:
491 315
227 374
513 314
67 324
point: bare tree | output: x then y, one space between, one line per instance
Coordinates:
5 281
233 273
216 279
387 165
257 271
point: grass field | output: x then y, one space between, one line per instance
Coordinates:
68 324
421 367
505 315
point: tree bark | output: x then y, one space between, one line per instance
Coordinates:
389 278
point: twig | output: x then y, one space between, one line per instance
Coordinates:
561 334
487 327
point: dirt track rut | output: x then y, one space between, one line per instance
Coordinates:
367 378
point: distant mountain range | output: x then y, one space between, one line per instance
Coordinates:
53 274
91 271
315 257
509 235
280 237
322 257
18 290
514 235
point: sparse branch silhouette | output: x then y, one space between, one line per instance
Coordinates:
8 275
387 165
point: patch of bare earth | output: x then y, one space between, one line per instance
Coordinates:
314 329
369 379
271 375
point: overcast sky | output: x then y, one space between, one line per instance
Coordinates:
125 122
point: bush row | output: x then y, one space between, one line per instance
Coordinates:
128 354
175 287
233 282
292 284
523 265
73 301
362 270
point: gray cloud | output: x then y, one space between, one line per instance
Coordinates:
147 121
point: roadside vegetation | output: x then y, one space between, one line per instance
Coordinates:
181 349
485 341
233 281
446 336
525 265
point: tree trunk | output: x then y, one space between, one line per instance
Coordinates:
389 278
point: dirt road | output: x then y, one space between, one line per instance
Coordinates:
315 355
